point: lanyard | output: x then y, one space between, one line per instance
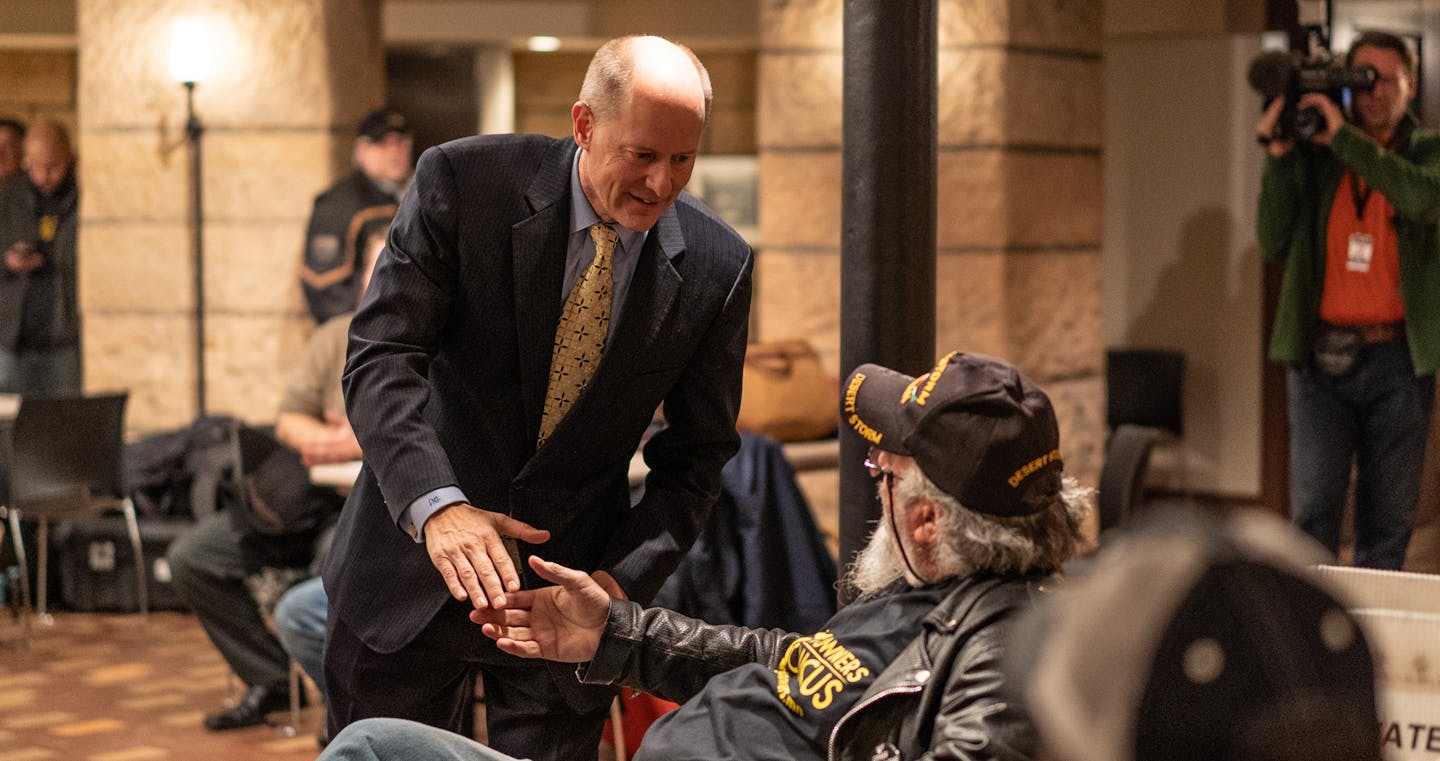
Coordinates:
1359 195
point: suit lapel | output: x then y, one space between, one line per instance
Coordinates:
653 291
539 244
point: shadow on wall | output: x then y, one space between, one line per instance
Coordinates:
1192 309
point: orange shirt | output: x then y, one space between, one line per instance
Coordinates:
1357 294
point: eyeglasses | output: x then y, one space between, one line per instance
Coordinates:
872 459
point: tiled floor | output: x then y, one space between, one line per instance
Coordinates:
96 687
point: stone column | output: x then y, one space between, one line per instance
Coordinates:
1019 191
1020 200
288 83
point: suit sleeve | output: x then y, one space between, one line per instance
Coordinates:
685 457
393 338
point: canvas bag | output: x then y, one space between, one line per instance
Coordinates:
787 393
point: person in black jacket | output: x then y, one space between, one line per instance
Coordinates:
976 515
353 210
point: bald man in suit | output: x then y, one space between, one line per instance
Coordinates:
481 445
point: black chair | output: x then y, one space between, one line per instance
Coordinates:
1144 408
67 460
1122 479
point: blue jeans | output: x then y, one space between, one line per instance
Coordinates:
402 740
44 371
1377 417
300 624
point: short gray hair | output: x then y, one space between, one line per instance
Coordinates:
607 80
973 541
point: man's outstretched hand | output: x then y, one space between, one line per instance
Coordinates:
467 546
561 623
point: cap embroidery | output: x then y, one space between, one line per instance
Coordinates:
911 392
1032 466
866 432
933 377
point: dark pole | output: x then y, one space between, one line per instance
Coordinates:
193 130
887 282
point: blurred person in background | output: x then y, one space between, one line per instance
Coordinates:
39 219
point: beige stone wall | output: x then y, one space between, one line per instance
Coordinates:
37 83
289 81
546 85
1019 191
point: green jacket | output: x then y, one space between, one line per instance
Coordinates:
1296 191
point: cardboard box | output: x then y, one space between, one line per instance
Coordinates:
1384 590
1407 662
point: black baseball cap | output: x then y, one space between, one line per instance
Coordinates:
1195 637
978 429
381 122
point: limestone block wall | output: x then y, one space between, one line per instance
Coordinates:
38 83
288 83
1019 191
546 85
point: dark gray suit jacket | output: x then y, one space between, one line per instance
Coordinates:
448 365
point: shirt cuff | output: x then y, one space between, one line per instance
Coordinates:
419 511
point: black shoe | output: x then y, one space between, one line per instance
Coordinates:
250 711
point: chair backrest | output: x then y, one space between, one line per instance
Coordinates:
1122 479
1145 387
63 445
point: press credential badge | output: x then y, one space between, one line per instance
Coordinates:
1362 247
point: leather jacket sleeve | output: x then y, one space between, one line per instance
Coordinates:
672 656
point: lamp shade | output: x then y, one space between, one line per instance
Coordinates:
189 50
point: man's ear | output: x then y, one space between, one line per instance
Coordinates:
924 522
582 122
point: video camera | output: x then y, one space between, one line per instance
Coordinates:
1289 75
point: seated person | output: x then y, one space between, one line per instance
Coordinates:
975 516
300 623
210 562
1198 639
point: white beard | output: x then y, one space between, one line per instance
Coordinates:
879 564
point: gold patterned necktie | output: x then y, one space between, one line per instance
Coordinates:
580 336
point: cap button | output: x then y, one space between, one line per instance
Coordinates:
922 676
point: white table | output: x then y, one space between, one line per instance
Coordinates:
338 475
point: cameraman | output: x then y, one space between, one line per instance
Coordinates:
1352 214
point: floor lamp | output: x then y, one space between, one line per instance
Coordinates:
189 62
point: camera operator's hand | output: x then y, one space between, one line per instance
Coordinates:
1265 130
1331 113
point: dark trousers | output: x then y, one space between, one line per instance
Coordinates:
208 570
1378 417
529 712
